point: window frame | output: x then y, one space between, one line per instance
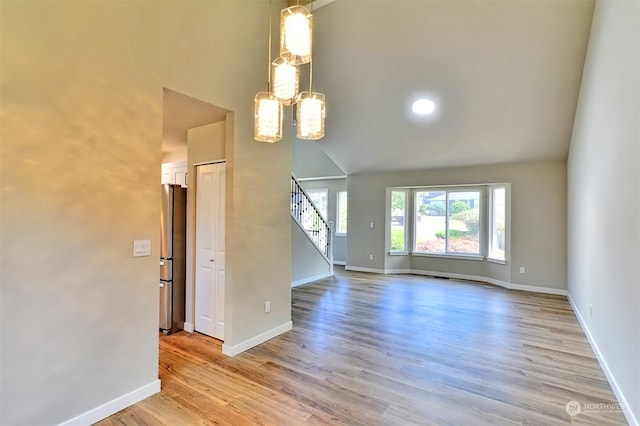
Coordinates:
480 189
407 198
338 231
491 223
325 191
485 223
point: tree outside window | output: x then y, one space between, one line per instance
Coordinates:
398 220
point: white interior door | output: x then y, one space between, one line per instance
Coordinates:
210 250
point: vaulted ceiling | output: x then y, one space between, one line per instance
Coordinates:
504 75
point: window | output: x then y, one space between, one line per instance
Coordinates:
319 198
497 225
341 214
450 221
447 222
398 220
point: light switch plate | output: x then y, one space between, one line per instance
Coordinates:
141 248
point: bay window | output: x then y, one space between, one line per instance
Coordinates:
457 221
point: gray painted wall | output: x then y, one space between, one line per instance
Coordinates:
333 185
310 161
604 196
81 155
538 221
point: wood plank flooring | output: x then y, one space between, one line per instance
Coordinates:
390 350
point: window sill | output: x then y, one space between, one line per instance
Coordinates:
341 234
475 257
498 261
398 253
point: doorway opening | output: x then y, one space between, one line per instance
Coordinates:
195 133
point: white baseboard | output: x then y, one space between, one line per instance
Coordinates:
533 288
397 271
311 279
505 284
256 340
510 286
188 327
360 269
112 407
631 418
339 262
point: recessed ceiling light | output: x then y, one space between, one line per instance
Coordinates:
423 107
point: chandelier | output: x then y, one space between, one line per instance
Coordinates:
296 41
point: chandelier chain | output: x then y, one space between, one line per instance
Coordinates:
311 59
269 59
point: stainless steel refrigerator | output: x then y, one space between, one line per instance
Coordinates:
173 236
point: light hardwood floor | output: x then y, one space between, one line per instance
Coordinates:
390 350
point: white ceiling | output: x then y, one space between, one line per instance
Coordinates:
182 112
504 74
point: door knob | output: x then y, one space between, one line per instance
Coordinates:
211 260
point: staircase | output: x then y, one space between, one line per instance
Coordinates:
307 216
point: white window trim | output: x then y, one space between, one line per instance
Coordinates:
407 203
341 234
399 253
507 220
448 189
465 256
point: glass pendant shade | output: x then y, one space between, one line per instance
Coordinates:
295 35
268 118
310 114
286 79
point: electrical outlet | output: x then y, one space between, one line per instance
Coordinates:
590 310
522 270
370 257
267 306
371 225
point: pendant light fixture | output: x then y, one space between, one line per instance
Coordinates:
296 35
310 112
286 78
268 118
267 125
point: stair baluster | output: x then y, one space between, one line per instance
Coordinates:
305 212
